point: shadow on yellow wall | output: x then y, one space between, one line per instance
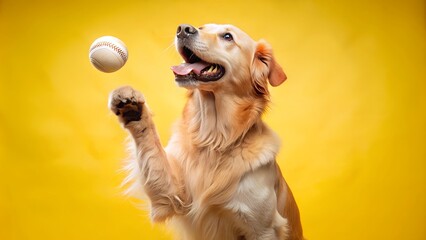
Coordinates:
351 115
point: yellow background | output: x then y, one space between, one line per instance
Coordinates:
351 115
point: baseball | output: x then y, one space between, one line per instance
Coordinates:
108 54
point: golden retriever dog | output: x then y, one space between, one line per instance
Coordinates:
217 179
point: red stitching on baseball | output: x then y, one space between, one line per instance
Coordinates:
113 46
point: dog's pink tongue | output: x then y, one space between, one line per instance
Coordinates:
186 68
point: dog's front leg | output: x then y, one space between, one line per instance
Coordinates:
156 176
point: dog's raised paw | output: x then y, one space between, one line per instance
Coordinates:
127 104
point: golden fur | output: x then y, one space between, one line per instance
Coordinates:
217 178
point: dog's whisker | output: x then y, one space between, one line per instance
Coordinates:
170 46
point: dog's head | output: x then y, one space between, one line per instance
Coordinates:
224 56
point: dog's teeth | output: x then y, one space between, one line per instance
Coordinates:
210 69
214 68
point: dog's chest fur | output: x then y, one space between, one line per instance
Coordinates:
225 188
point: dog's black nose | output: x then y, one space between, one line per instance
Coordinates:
185 30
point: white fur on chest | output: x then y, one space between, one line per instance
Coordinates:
255 193
255 202
246 197
200 169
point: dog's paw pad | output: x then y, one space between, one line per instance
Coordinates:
127 103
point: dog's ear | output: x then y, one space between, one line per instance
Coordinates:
265 67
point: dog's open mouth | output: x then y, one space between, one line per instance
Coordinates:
195 68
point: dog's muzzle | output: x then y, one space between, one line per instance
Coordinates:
194 68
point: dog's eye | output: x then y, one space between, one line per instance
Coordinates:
227 37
